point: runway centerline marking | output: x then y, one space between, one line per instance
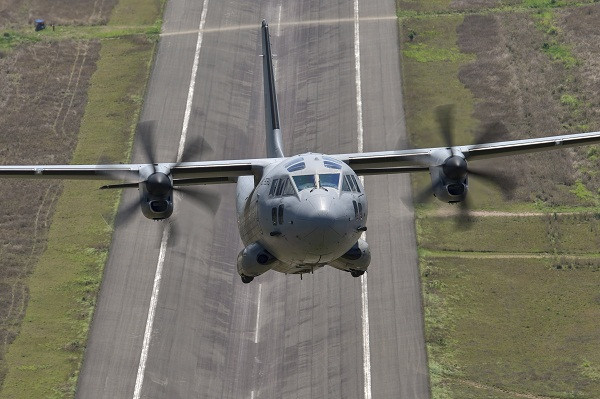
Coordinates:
257 315
364 293
163 245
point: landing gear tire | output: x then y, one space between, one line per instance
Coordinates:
357 273
247 279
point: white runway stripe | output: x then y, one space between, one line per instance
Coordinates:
364 296
163 245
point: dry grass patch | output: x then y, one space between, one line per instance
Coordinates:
42 101
84 12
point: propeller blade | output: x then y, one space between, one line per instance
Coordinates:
120 185
197 148
494 131
128 176
463 220
505 183
403 143
202 198
145 133
445 118
424 195
127 212
174 232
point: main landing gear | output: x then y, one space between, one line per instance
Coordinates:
357 273
246 279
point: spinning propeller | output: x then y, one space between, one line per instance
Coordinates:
158 183
455 167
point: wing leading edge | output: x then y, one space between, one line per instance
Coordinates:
366 163
185 173
406 161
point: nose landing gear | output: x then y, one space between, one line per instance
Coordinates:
357 273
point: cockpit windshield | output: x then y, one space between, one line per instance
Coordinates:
326 180
304 182
329 180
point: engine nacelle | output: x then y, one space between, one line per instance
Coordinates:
254 260
449 180
356 259
449 190
156 207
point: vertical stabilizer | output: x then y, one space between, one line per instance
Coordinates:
274 144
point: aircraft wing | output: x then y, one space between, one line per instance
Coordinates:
406 161
185 173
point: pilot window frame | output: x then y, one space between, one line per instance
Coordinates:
345 184
352 183
300 186
328 184
289 188
273 188
355 183
280 187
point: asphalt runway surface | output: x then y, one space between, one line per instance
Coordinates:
279 337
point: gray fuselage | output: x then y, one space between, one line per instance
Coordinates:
306 211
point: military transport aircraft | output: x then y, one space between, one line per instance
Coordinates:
299 213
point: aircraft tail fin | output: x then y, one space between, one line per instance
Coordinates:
274 140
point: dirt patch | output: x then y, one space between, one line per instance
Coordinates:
518 84
44 93
581 31
79 12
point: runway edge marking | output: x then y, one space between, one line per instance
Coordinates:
163 245
364 297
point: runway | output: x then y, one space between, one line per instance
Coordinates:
279 337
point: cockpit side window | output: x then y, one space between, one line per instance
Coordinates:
304 182
273 187
329 180
280 187
345 185
355 183
289 187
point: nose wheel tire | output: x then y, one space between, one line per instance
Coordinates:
357 273
247 279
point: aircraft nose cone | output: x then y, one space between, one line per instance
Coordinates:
321 205
322 225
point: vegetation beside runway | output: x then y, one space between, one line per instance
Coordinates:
45 358
511 302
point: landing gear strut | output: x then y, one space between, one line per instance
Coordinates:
246 279
357 273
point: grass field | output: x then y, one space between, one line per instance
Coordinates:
511 302
44 359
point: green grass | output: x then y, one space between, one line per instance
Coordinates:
551 233
11 39
16 37
560 52
510 303
536 335
432 8
45 358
